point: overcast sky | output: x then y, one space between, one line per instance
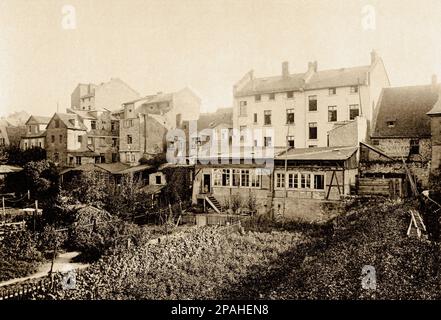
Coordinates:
164 45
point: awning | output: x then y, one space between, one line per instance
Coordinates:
4 168
141 167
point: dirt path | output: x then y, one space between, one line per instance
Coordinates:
62 263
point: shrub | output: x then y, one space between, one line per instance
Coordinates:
19 256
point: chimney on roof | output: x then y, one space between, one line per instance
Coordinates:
374 56
285 69
434 83
312 66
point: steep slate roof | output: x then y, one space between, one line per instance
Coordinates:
407 106
66 117
322 153
294 82
39 119
436 108
212 119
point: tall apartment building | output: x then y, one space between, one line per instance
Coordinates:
109 95
145 122
302 108
35 135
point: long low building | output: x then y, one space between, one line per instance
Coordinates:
295 184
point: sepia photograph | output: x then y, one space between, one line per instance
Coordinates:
220 155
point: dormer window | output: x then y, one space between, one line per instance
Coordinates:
390 124
354 89
257 98
332 91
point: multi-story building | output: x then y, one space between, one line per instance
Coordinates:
144 122
66 141
102 133
402 133
302 108
4 138
109 95
35 135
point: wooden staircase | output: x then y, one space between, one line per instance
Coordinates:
212 201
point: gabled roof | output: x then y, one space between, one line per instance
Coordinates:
211 120
407 108
82 113
66 119
38 119
322 153
338 77
272 84
436 108
295 82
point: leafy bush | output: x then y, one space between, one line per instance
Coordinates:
19 256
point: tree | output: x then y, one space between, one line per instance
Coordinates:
179 185
40 178
89 188
14 155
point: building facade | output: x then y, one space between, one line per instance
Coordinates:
35 135
145 122
109 95
302 108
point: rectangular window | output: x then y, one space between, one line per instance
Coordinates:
290 116
158 179
267 117
375 142
29 129
414 146
319 181
245 178
313 130
114 142
57 123
243 132
312 103
80 138
255 178
61 138
354 111
312 146
258 98
129 123
93 124
291 180
332 91
53 139
89 141
243 110
290 141
354 89
267 141
290 94
217 177
305 181
226 177
78 160
236 177
332 113
280 180
255 118
129 139
25 145
272 96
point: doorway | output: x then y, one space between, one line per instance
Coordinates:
206 185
